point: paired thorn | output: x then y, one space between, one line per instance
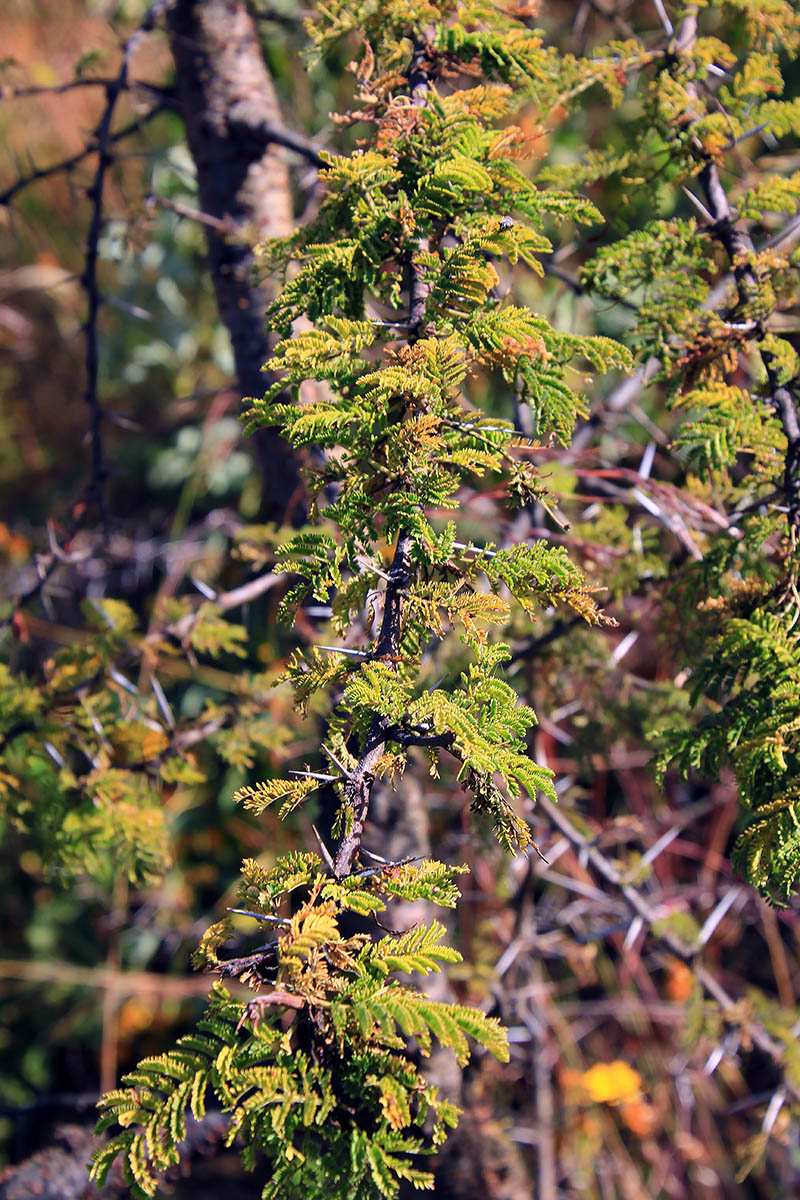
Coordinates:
245 912
701 208
344 650
324 851
347 773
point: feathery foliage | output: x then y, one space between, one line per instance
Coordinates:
399 273
740 445
400 276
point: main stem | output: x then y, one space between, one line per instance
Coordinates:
358 788
359 785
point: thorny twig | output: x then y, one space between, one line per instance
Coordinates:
741 251
642 909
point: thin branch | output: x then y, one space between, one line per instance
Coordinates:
531 648
266 134
9 92
102 140
620 400
124 983
551 267
225 601
65 165
190 214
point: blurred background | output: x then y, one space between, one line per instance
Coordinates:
140 645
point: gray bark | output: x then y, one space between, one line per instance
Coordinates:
226 95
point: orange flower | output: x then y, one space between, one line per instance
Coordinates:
640 1117
679 981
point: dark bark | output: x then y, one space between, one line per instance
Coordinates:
227 99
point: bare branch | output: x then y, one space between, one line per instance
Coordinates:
65 165
643 909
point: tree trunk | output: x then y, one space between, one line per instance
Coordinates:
224 91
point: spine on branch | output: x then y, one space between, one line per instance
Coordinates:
741 251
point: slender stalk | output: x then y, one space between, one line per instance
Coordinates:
358 789
741 251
